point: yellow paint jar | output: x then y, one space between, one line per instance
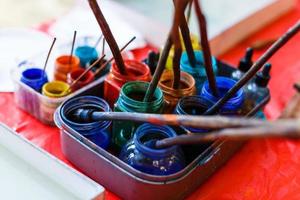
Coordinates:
56 90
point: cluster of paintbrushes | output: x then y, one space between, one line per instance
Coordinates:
221 126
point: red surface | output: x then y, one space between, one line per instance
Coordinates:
263 169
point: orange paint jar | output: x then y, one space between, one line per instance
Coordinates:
172 96
63 66
136 71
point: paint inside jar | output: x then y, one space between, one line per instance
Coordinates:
85 80
56 89
151 139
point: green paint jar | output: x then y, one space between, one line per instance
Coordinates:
131 100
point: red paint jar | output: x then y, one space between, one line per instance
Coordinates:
136 71
85 80
63 66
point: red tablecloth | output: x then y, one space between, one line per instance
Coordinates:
262 169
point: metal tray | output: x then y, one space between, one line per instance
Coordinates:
104 167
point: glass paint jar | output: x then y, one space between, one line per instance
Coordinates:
85 80
86 55
141 154
136 71
198 72
171 96
34 78
63 66
192 105
131 100
55 90
233 105
97 132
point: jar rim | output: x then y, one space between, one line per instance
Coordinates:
148 129
224 83
86 51
86 101
134 66
64 60
89 76
196 100
142 86
185 78
49 93
199 69
42 75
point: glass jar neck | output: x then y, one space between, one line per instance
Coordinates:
132 95
187 84
147 134
135 71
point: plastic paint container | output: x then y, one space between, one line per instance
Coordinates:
85 80
63 67
233 105
131 100
136 70
195 45
34 78
55 90
97 132
171 96
192 105
140 153
86 55
198 72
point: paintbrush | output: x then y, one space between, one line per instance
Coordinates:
285 128
108 61
179 8
206 49
163 59
159 69
48 55
108 36
98 41
185 32
72 48
255 67
203 122
291 129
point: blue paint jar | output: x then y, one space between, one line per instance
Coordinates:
192 105
86 54
97 132
233 105
141 154
34 78
198 72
